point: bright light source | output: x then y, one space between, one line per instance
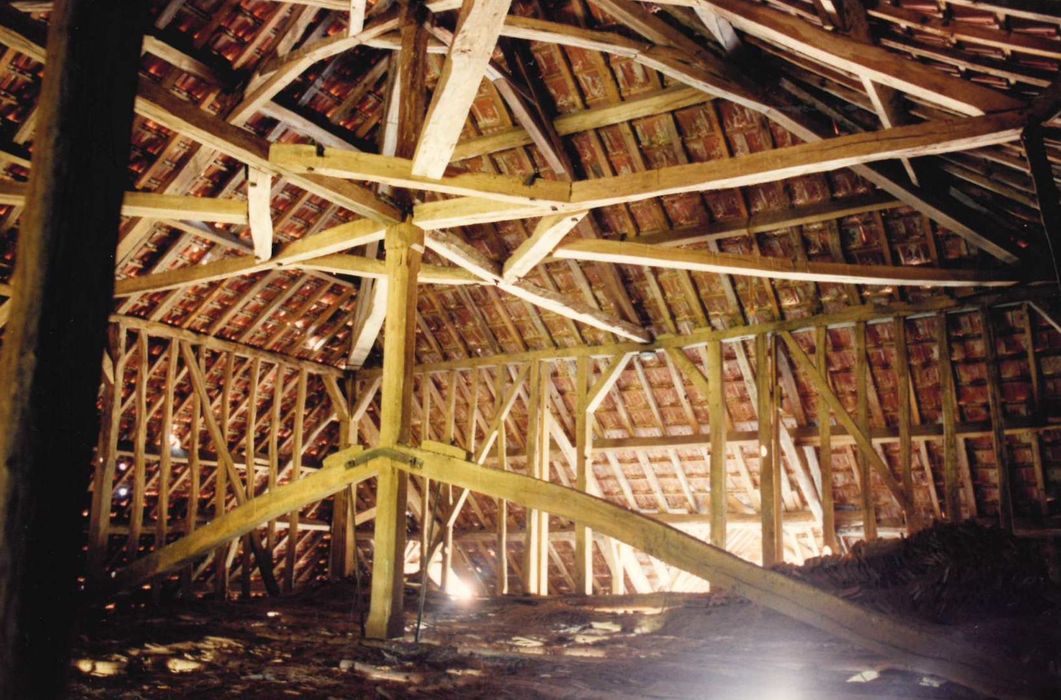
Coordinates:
272 613
315 343
123 492
827 551
459 590
122 466
174 442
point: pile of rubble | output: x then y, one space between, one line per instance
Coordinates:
949 573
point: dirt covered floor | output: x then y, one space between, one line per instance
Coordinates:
656 646
982 586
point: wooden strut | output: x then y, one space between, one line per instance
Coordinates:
911 646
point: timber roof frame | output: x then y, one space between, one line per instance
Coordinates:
516 264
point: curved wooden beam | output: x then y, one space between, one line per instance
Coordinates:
914 647
917 647
337 475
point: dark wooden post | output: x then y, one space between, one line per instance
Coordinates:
50 364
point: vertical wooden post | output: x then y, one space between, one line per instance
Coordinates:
404 245
136 509
532 539
998 420
769 481
869 510
825 435
906 447
249 464
583 462
717 426
103 485
1046 193
221 478
291 553
165 455
1035 375
951 487
56 330
194 480
542 472
274 449
502 505
341 549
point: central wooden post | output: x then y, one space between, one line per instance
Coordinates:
405 246
583 463
536 541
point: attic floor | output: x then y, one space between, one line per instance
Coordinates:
659 646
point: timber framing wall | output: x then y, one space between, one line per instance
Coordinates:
633 455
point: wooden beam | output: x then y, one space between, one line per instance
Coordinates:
56 332
709 386
371 268
575 309
843 151
315 246
649 104
154 206
398 172
949 418
404 246
259 201
629 253
852 56
536 456
547 234
246 518
583 467
297 446
765 221
998 419
195 373
717 425
769 463
825 427
273 76
156 103
914 647
478 26
356 23
862 379
928 138
103 481
1046 192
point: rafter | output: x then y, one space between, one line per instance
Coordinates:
627 253
855 57
478 26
